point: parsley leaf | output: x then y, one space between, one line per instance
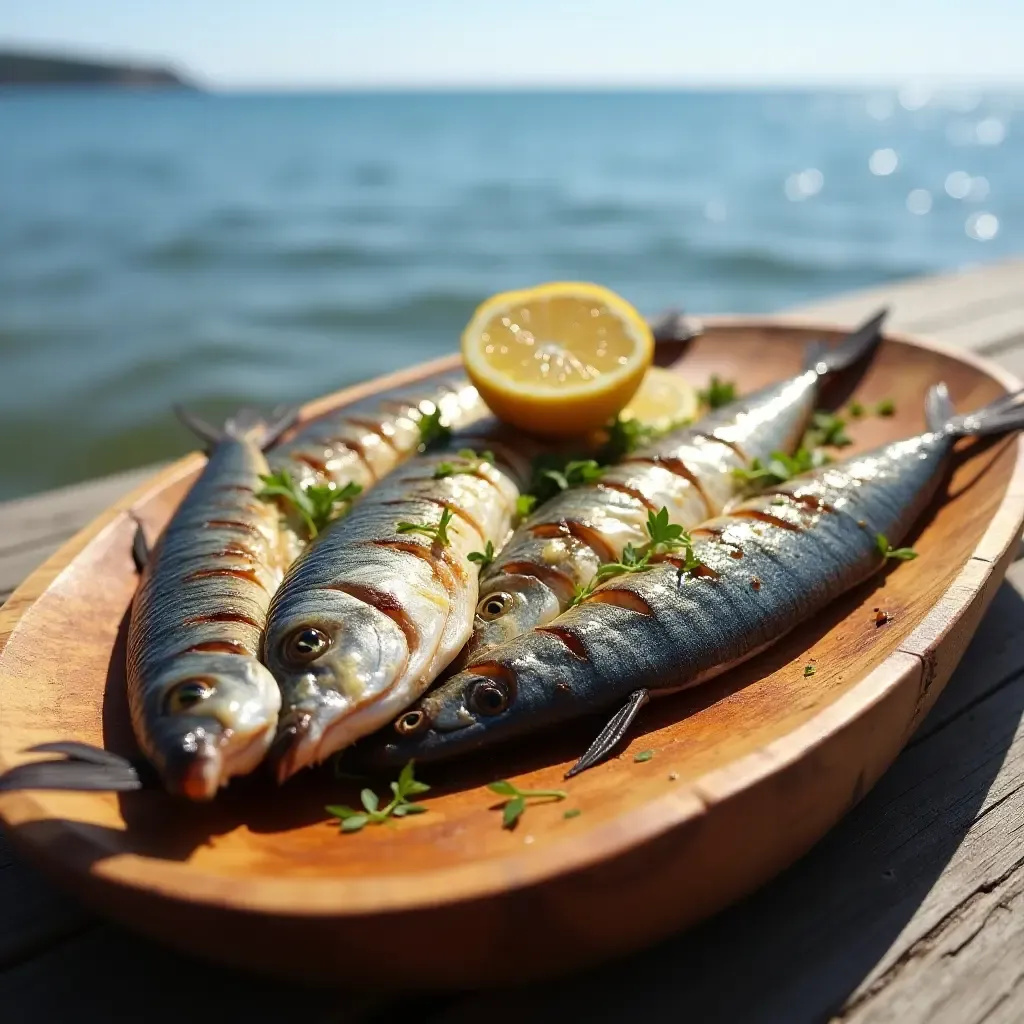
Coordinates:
432 431
350 820
827 429
886 407
483 558
468 462
316 505
437 532
889 552
718 392
515 805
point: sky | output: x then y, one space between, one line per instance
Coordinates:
325 44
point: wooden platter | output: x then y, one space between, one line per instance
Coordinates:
747 773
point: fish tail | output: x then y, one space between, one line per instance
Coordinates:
999 417
247 424
856 346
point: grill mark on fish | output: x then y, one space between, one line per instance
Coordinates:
240 488
700 571
241 574
622 599
553 579
219 647
233 524
764 517
573 644
814 502
679 468
315 464
442 565
731 445
387 604
349 445
591 537
234 551
229 615
632 492
379 429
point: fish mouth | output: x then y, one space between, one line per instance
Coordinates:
295 745
195 770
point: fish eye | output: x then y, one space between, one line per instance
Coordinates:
493 606
305 644
411 722
488 697
187 695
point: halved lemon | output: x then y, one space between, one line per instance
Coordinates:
663 400
559 359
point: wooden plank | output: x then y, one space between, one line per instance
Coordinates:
932 305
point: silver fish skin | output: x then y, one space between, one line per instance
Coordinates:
363 442
690 472
369 614
203 707
768 565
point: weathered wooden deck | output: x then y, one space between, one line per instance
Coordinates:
912 909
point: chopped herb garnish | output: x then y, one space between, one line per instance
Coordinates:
432 431
809 670
316 505
624 436
718 392
827 429
437 532
482 558
886 407
856 410
350 820
573 812
525 504
888 551
665 538
781 467
515 805
468 462
644 755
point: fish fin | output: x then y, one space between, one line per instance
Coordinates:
674 325
71 775
612 734
857 345
938 408
84 767
245 425
75 751
140 548
1002 416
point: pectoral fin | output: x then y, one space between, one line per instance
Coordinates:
612 734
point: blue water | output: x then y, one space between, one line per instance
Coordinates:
217 250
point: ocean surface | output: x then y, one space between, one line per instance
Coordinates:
218 250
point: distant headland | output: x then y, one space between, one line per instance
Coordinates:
36 69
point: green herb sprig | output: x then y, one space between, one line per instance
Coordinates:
432 431
350 820
889 552
886 407
826 430
316 505
437 532
781 467
483 558
718 393
515 805
644 755
665 538
469 462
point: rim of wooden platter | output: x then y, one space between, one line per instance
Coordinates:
597 891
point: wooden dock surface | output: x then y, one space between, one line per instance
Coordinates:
911 910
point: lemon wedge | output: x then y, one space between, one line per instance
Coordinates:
663 401
558 359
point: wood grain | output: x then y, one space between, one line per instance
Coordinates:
766 761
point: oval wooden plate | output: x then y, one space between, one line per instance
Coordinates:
748 771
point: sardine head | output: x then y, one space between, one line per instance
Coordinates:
339 662
212 717
509 605
459 715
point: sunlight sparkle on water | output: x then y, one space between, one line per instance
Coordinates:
958 184
804 185
883 162
919 201
990 132
982 226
